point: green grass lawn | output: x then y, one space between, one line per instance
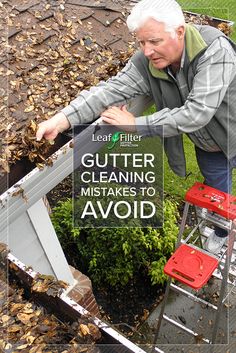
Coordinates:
225 9
177 186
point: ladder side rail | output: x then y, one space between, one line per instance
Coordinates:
233 285
218 275
182 225
201 224
192 231
218 220
161 312
222 259
224 279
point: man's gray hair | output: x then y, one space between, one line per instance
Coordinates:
167 11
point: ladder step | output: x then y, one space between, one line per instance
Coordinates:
191 266
192 296
184 328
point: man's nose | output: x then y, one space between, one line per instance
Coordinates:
148 49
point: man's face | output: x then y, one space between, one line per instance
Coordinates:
159 46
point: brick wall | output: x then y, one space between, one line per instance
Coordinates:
82 292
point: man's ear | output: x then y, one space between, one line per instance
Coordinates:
180 31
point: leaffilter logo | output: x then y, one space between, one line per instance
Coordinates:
114 139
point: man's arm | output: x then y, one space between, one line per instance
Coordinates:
214 73
118 90
52 127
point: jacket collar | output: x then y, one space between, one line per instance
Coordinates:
194 44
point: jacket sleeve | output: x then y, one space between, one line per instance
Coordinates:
216 70
118 90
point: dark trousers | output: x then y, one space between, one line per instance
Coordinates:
217 172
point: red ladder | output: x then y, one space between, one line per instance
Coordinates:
191 264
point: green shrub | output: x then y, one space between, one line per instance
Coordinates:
115 255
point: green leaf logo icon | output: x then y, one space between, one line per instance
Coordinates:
115 138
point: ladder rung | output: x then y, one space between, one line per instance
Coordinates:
192 231
232 268
219 221
158 350
217 274
184 328
214 218
192 296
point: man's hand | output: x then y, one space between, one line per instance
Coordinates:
119 116
49 129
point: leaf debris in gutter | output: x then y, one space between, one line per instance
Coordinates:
54 51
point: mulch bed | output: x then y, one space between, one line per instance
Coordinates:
129 306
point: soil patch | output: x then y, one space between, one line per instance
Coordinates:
129 306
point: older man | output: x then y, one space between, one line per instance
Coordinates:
190 72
